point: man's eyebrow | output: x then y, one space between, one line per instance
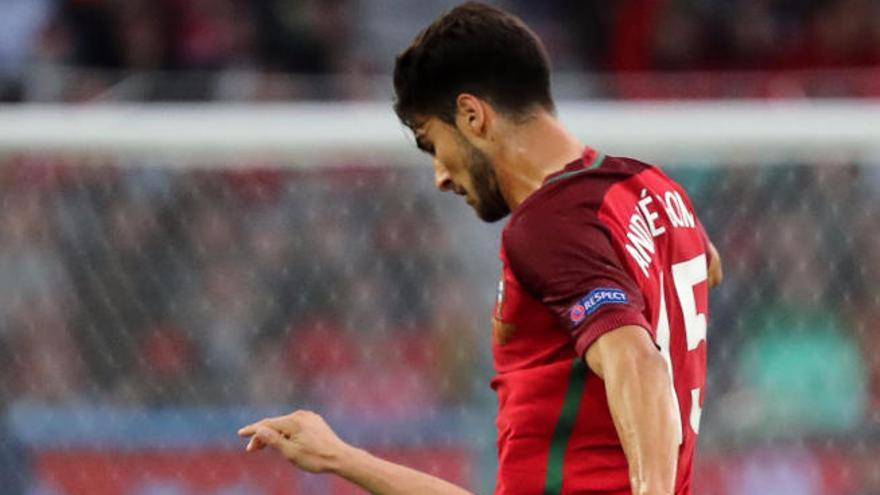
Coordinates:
424 145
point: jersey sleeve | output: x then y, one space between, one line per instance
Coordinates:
567 261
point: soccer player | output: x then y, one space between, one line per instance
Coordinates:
600 322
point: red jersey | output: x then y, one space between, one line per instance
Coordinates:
604 243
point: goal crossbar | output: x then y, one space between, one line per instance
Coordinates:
740 130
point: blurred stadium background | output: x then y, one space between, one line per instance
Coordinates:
162 286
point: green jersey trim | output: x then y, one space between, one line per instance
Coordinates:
564 426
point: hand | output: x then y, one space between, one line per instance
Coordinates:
302 437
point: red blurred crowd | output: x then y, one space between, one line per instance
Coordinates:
277 49
146 286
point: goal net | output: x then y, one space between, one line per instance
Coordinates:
169 273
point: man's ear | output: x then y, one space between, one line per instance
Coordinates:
472 115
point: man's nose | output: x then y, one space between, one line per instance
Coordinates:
442 179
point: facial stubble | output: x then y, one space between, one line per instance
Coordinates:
489 202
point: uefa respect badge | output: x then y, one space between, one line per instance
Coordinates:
594 300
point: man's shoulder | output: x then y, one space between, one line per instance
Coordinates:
569 199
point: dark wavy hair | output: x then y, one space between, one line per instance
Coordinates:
478 49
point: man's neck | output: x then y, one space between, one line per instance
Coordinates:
533 150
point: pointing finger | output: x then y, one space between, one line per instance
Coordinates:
280 423
246 431
251 429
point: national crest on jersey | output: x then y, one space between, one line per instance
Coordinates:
499 298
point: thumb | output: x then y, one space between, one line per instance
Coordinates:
269 436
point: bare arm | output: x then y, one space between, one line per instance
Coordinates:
640 397
381 477
716 274
305 439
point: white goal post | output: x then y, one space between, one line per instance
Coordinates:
735 130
